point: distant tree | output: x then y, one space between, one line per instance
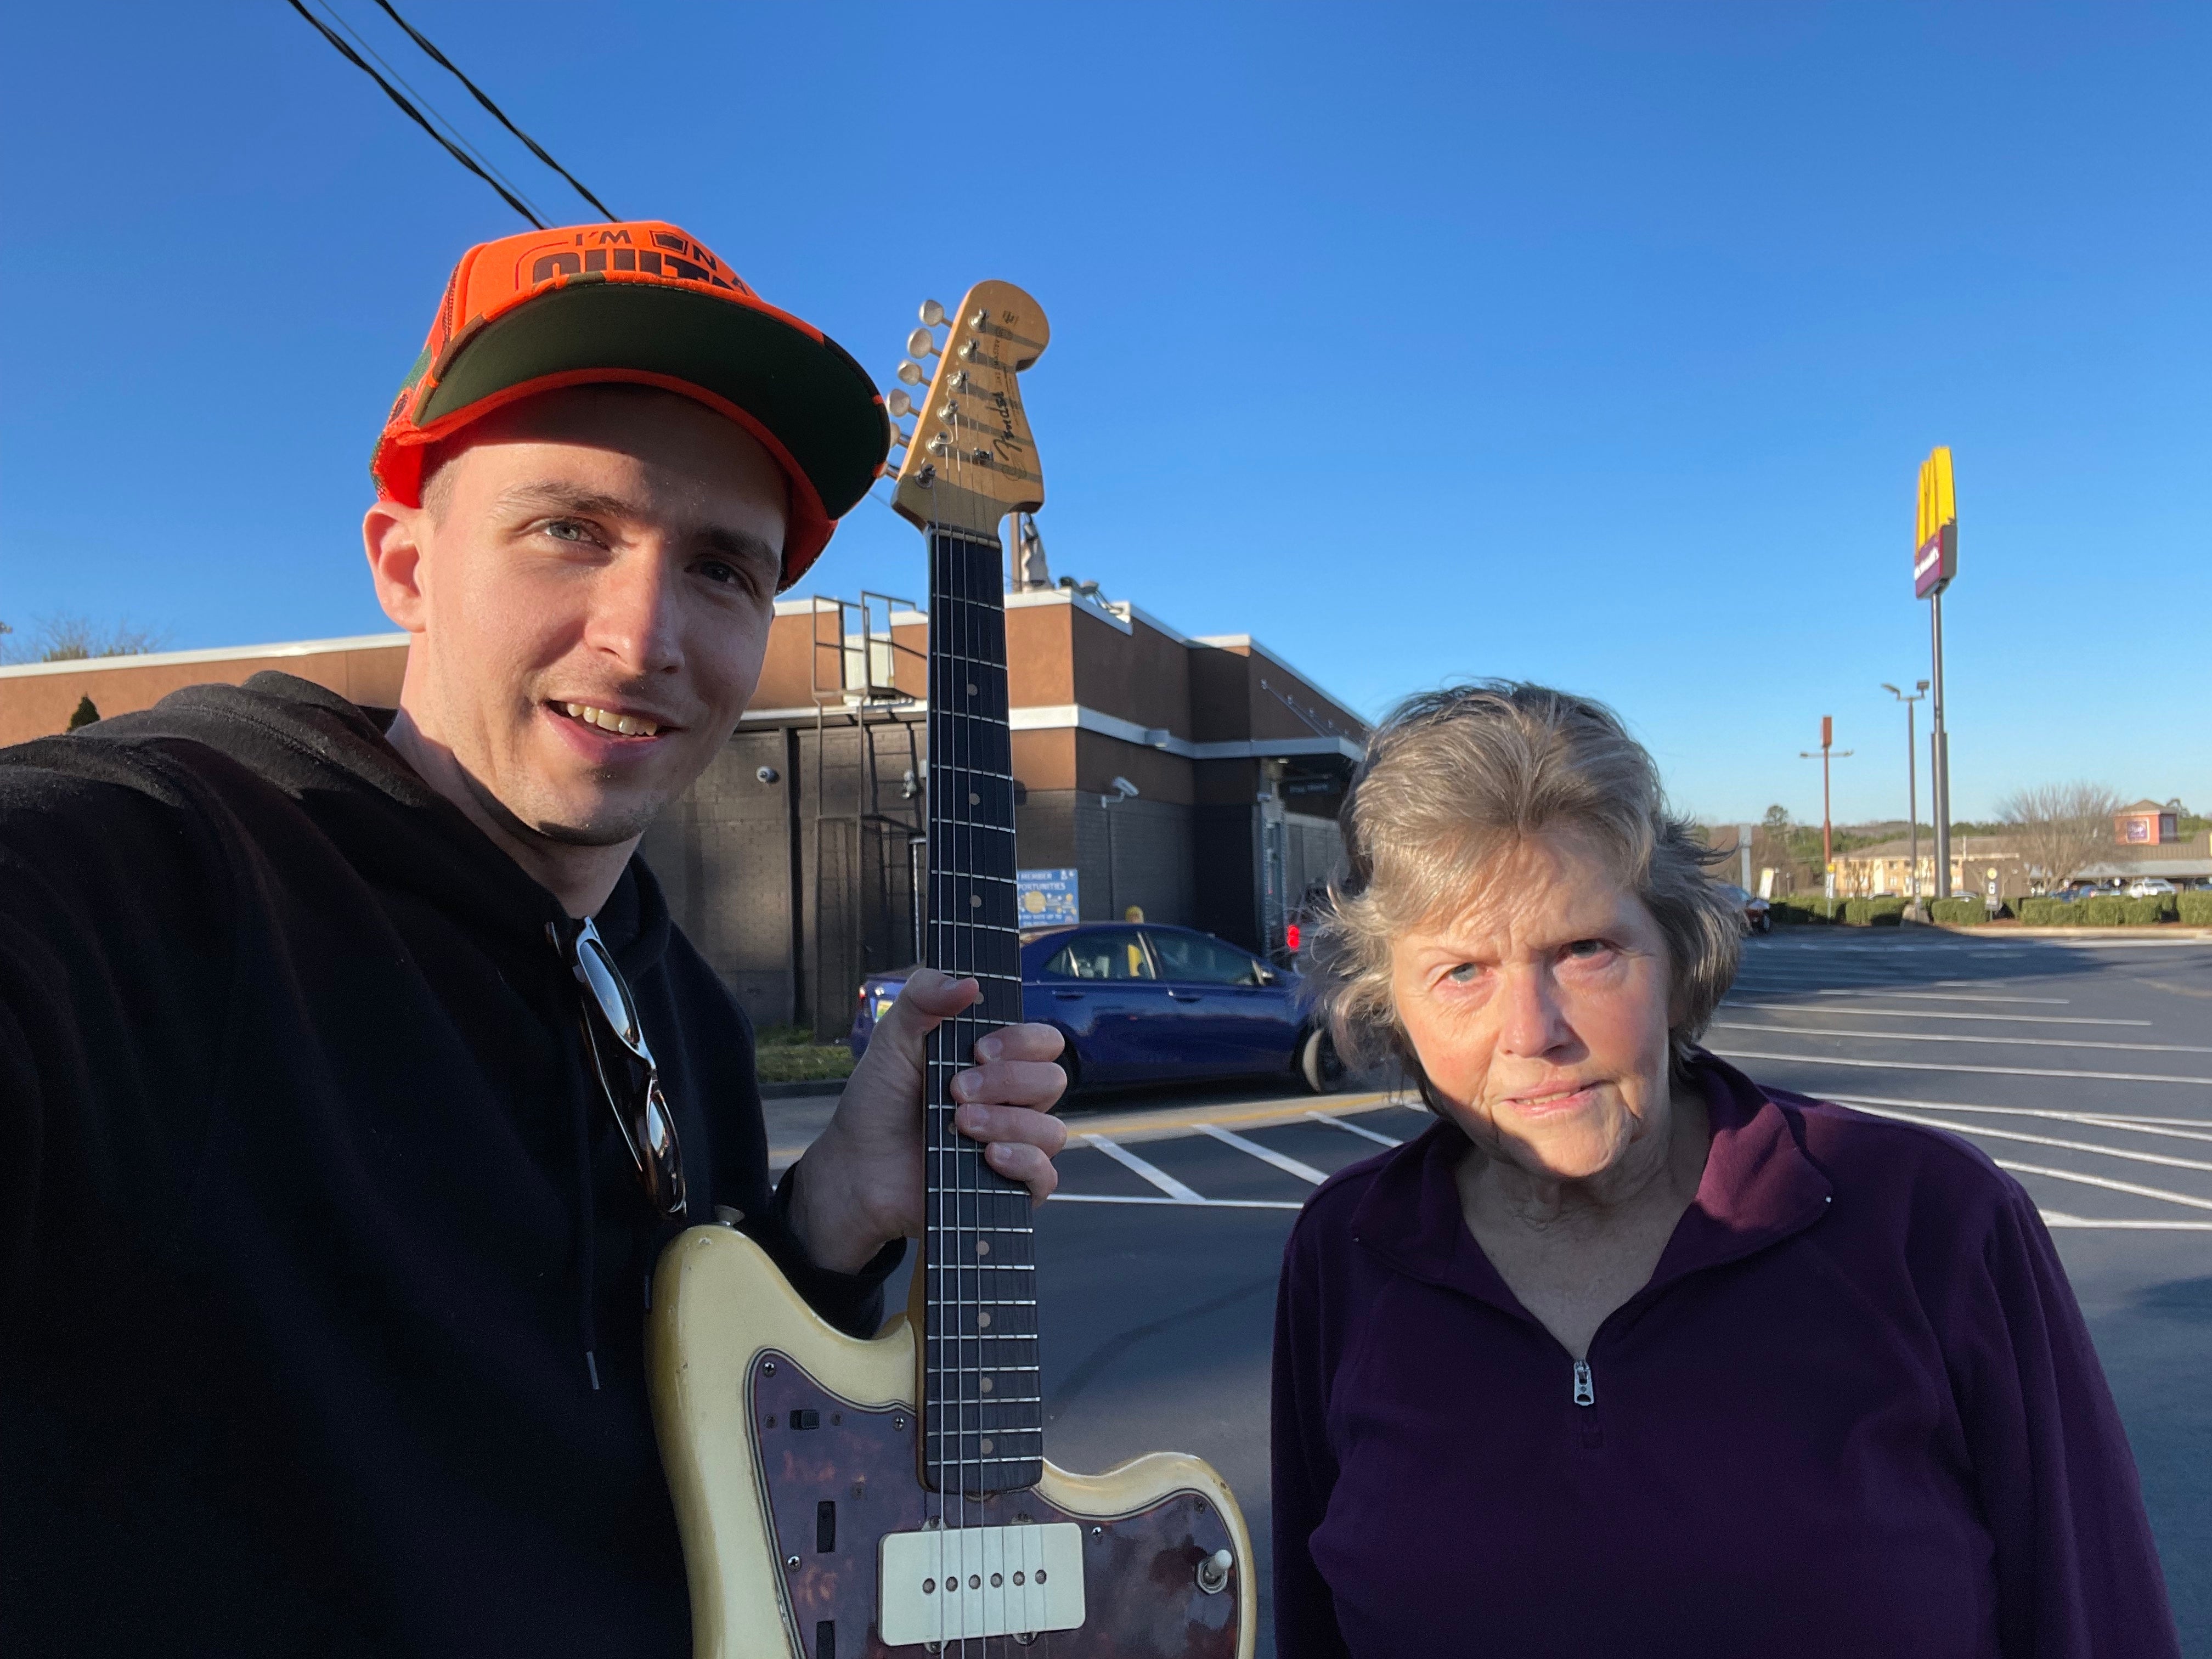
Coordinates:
2059 827
1777 821
66 637
86 712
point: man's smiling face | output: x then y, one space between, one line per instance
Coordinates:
590 583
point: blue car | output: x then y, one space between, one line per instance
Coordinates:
1142 1003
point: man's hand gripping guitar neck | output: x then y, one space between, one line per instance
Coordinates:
859 1185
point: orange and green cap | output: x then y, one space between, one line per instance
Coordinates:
645 304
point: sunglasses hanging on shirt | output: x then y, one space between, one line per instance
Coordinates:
626 1071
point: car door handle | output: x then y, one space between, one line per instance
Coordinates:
1068 996
1184 996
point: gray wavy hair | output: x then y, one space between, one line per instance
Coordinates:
1453 780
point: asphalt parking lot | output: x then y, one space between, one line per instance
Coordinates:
2085 1067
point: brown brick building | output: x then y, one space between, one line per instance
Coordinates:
793 864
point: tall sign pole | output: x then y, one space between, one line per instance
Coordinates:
1827 827
1934 563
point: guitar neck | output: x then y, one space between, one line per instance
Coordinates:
982 1405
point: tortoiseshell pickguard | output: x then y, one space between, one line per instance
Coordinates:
1140 1585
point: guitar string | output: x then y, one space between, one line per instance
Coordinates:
982 620
969 615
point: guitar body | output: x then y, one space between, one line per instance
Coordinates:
740 1362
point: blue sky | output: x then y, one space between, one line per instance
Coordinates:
1593 345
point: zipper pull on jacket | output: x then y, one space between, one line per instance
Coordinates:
1584 1394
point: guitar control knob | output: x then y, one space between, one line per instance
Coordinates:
1213 1572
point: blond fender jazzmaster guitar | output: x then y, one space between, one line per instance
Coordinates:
840 1498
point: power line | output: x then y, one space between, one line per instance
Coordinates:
451 127
412 113
498 114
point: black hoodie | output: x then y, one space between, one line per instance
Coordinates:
311 1212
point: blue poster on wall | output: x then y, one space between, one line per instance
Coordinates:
1046 898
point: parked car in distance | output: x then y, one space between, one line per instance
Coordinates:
1757 918
2150 887
1148 1003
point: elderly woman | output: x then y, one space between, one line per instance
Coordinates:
1628 1354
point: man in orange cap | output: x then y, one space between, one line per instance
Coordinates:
351 1072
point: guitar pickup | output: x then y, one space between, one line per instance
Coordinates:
958 1583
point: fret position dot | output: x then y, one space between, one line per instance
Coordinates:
982 1247
975 799
971 688
982 1321
986 1382
975 900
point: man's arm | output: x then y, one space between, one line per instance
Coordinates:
861 1185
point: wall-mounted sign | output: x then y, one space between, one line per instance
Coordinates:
1936 528
1048 898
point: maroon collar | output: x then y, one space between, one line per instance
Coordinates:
1760 1187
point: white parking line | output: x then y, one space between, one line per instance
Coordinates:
1177 1203
1950 996
2046 1140
1973 1071
1965 1037
2179 1128
1265 1154
2059 1218
1938 1014
1152 1172
2159 1193
1354 1129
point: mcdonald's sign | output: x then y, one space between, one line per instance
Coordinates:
1936 533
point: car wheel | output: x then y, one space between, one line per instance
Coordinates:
1318 1063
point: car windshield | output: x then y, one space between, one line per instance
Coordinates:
1193 958
1111 953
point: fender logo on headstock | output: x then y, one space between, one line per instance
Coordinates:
971 460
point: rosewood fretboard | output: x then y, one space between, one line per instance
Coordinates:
982 1405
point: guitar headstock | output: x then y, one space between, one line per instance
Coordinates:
970 459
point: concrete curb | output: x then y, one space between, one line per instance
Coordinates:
2156 930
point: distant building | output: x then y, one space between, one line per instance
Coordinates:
794 864
1886 868
2147 823
2179 862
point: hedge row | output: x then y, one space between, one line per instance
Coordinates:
2111 912
1874 912
1805 909
2194 909
1961 912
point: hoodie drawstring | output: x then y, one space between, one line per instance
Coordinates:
587 1222
587 1210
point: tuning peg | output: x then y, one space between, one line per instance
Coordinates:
900 404
913 373
901 440
932 314
921 343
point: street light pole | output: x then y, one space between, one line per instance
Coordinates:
1827 829
1122 790
1911 780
